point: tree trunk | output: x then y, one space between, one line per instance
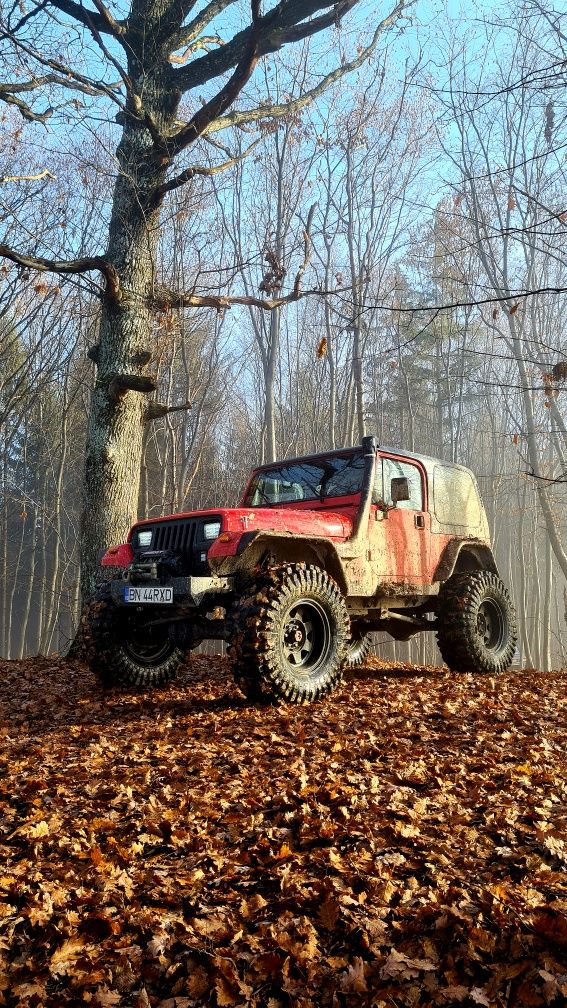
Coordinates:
270 452
115 435
4 560
528 661
55 585
358 382
23 642
545 659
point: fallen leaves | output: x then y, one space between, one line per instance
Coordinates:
551 924
402 967
399 844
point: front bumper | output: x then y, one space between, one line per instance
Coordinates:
191 591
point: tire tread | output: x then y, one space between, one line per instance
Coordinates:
458 643
110 663
256 667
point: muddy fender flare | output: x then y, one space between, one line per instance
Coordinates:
284 549
466 555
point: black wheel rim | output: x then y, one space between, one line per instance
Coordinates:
491 626
147 645
305 638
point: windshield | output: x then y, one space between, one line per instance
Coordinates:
336 476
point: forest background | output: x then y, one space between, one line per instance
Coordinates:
423 193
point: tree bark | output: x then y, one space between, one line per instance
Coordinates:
115 433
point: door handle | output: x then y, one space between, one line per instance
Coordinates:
419 521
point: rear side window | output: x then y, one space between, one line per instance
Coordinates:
392 468
455 497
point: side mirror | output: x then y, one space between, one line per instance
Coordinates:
399 489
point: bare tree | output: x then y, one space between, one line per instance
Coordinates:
503 210
268 221
149 60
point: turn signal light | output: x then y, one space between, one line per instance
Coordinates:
225 537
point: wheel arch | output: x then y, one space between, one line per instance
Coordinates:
284 548
465 557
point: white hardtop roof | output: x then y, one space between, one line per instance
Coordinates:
427 461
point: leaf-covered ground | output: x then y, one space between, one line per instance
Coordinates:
402 843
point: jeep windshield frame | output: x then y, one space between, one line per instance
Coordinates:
297 481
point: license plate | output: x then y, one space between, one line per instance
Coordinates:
145 593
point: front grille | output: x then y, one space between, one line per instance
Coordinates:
175 535
181 536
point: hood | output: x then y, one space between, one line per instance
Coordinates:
238 522
331 524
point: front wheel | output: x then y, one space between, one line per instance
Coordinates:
123 651
291 635
476 624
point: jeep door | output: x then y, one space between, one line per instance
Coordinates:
400 533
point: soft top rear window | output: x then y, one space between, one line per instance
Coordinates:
310 480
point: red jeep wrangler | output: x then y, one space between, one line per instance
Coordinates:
321 552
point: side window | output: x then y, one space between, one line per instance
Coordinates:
392 468
456 497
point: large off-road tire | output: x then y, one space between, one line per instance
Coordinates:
476 624
121 651
359 649
290 635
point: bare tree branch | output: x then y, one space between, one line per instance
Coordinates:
27 16
101 19
287 22
164 299
238 118
63 77
70 266
104 49
306 250
206 43
192 31
116 27
225 97
28 178
155 410
9 98
558 215
189 173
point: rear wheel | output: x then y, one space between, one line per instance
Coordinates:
476 624
122 650
291 635
359 649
